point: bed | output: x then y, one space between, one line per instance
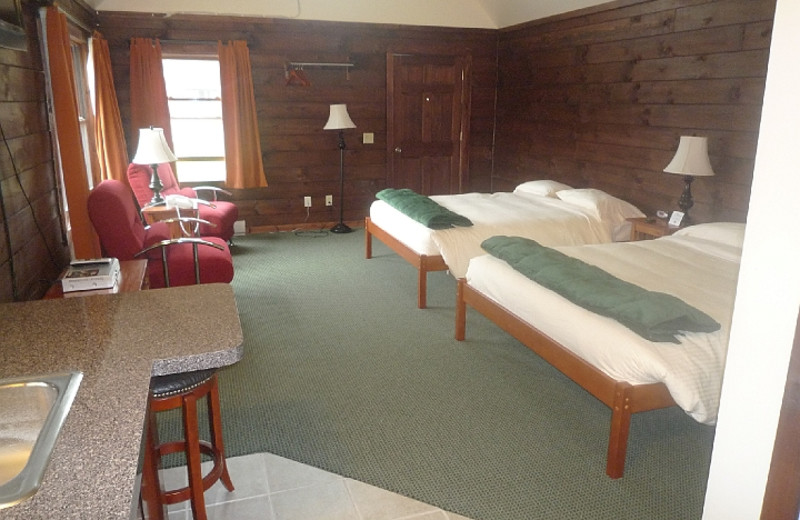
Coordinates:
545 210
698 264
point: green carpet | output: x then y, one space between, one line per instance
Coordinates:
343 372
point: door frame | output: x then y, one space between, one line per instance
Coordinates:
465 59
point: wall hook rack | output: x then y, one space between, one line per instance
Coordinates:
295 75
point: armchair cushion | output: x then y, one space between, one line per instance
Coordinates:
215 264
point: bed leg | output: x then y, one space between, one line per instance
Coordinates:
422 288
367 239
618 436
461 311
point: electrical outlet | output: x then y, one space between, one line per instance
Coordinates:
307 202
329 200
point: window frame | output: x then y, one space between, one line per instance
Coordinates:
200 52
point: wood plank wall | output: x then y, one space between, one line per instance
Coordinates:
33 247
299 157
594 98
599 98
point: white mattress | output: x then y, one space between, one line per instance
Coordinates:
548 220
701 272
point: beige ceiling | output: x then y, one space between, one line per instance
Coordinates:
489 14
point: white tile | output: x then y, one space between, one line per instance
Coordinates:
257 508
324 501
284 474
374 503
433 515
269 487
249 476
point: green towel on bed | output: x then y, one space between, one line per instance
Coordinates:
653 315
422 209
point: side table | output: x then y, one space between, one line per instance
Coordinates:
646 228
132 278
153 214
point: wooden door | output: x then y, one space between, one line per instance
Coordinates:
427 122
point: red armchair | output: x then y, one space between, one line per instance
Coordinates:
222 214
170 263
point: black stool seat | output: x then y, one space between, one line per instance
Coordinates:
164 386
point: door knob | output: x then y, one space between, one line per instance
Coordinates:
398 150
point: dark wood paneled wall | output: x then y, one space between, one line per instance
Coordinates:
299 157
599 98
33 248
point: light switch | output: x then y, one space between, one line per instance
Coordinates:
369 138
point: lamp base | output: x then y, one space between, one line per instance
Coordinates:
686 202
341 227
156 186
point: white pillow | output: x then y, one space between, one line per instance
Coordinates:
607 208
544 188
729 233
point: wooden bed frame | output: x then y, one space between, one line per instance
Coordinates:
623 398
423 263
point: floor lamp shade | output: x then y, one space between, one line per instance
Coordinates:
340 120
153 150
690 160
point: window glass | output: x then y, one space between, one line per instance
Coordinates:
195 106
82 94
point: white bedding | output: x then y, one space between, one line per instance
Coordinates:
547 220
700 271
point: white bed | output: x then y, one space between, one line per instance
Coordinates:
547 211
698 264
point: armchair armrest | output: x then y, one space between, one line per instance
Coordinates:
183 221
213 189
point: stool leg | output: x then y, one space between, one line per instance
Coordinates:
151 485
215 422
192 436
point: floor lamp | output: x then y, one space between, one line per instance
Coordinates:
691 160
339 120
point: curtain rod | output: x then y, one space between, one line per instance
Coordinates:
188 42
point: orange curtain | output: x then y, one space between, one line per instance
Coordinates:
108 134
68 135
243 162
148 90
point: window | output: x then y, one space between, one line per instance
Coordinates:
84 96
195 107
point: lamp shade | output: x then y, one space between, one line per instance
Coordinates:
339 119
153 147
691 158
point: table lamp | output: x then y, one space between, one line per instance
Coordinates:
153 150
691 160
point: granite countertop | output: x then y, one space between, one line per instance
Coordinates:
118 341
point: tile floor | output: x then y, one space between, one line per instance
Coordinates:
269 487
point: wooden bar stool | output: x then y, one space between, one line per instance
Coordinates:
182 391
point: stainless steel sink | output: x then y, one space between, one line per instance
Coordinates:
32 410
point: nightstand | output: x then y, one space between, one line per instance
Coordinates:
646 228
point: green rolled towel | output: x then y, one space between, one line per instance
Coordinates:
653 315
422 209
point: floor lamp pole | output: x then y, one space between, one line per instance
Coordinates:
341 227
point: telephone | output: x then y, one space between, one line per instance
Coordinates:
180 202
